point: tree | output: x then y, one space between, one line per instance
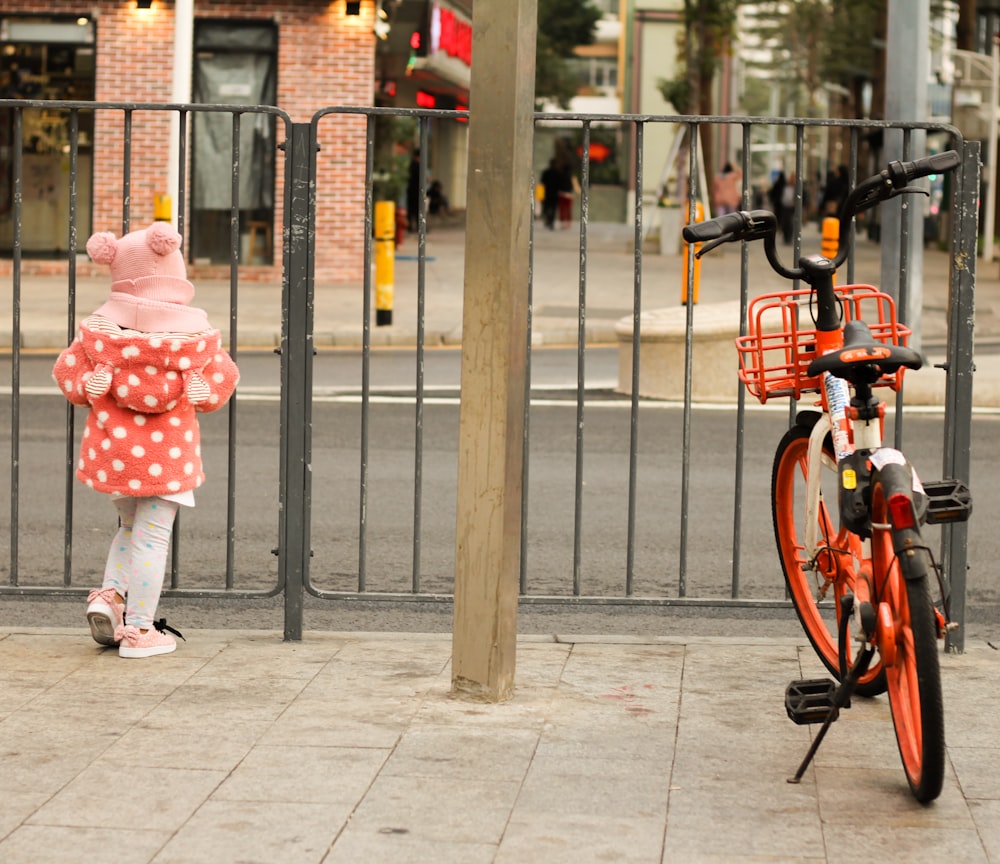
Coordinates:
706 38
708 29
817 44
562 26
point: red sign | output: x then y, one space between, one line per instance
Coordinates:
451 34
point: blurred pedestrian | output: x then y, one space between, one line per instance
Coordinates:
413 193
551 182
727 190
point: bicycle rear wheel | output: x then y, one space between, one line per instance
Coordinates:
810 582
907 631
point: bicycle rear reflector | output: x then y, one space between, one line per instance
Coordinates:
901 511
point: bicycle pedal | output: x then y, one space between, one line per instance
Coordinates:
947 501
811 700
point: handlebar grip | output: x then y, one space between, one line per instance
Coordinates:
902 173
712 229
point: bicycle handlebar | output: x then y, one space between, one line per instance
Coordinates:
742 225
762 224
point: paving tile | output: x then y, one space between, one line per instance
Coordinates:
431 809
429 750
736 820
914 845
16 691
270 656
54 655
342 721
557 788
112 674
526 709
255 833
19 802
398 847
886 792
315 775
42 766
570 839
220 705
605 744
986 816
160 799
79 844
191 746
72 716
978 770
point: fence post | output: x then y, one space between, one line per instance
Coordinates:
958 387
296 374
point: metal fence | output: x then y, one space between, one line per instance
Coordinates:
260 560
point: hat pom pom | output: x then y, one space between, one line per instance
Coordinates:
162 238
102 247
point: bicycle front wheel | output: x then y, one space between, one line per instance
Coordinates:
816 580
907 634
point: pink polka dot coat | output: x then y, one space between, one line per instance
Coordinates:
142 436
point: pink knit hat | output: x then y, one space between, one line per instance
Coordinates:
149 286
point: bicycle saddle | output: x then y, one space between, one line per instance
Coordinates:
863 359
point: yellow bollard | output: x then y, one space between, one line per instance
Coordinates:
831 236
699 216
831 239
385 261
163 208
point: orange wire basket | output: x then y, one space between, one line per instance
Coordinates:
781 339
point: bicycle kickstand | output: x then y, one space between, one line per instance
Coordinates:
840 698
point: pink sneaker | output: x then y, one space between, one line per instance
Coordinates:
135 643
104 615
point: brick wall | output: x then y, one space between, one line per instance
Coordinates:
324 58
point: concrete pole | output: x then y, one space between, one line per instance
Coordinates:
494 349
906 100
180 91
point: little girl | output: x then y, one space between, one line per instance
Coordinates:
145 362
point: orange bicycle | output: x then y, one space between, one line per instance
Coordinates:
847 510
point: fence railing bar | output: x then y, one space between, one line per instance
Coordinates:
526 430
418 419
741 392
581 362
15 382
693 194
633 435
231 406
366 356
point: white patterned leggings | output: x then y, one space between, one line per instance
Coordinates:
138 556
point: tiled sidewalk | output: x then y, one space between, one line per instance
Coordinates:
348 747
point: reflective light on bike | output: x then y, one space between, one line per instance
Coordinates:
860 355
901 511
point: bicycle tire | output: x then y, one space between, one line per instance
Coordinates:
806 587
914 675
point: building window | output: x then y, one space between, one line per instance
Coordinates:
46 58
235 63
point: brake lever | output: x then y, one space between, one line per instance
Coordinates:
711 244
